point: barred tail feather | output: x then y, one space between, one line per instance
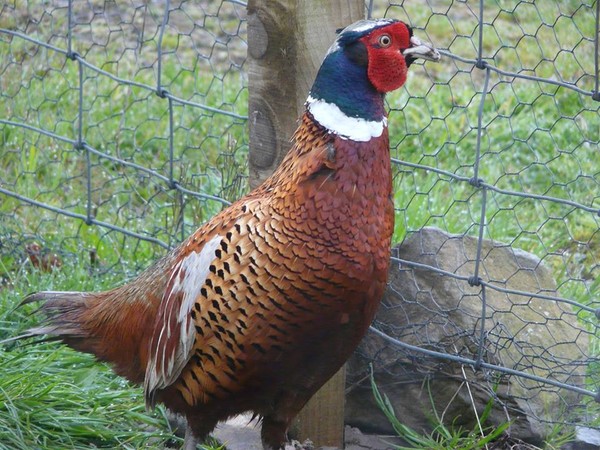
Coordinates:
112 325
64 314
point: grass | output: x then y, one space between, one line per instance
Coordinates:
74 403
442 437
455 437
53 397
537 138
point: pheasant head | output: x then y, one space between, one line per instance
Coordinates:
368 59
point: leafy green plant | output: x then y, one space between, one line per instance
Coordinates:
442 437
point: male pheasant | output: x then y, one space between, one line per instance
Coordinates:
265 302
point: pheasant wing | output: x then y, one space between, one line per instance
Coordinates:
173 335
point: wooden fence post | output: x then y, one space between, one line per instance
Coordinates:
287 40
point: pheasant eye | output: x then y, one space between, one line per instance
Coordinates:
385 40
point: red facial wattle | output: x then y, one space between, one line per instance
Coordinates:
387 67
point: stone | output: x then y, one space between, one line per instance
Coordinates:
434 311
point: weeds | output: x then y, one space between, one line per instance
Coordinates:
441 437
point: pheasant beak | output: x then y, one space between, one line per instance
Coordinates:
421 50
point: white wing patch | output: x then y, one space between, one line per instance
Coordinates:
195 267
174 334
333 118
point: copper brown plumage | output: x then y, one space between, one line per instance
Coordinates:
264 303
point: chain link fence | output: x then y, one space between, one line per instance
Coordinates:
123 127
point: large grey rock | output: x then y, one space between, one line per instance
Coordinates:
437 312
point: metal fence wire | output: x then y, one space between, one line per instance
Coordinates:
123 126
115 112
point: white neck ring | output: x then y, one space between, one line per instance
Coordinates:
336 121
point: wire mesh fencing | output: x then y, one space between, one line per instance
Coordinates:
494 288
123 127
114 113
